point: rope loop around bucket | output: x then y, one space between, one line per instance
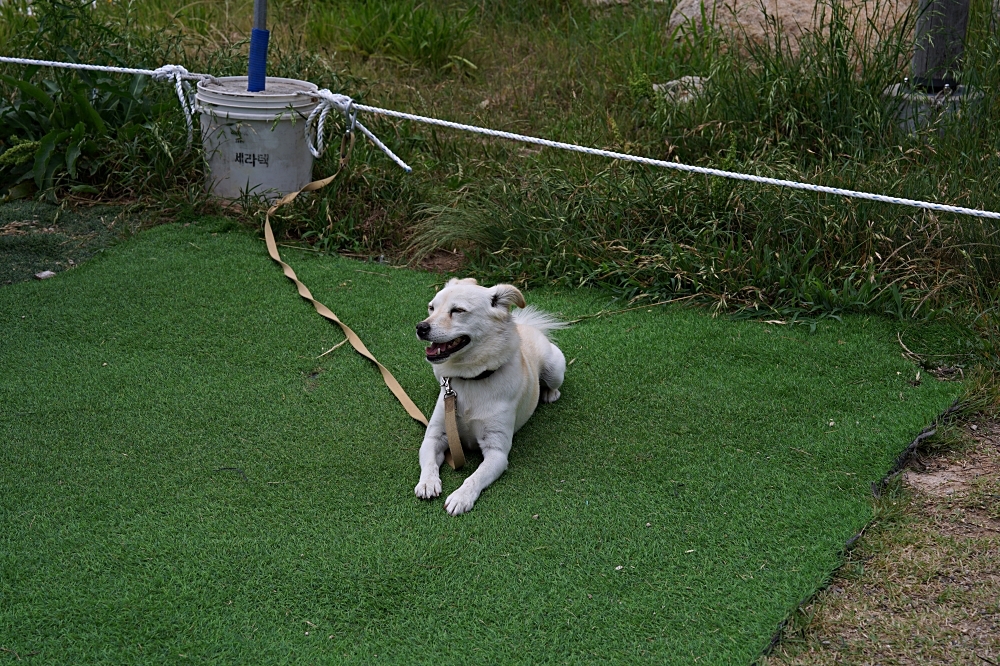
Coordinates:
316 122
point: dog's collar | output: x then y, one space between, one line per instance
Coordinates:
482 375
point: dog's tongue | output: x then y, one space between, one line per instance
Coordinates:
436 348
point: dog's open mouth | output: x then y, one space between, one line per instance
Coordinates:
439 351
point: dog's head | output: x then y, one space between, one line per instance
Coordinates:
468 325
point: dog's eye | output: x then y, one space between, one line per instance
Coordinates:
430 308
457 310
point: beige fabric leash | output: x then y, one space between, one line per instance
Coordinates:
352 337
454 456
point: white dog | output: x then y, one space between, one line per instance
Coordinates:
501 364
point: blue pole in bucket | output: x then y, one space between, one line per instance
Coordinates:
257 70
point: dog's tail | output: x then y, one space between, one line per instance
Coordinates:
543 321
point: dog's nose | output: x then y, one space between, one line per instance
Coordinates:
423 328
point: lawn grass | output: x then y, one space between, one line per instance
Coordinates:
181 477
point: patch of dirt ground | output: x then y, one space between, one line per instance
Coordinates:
37 237
757 20
922 586
442 261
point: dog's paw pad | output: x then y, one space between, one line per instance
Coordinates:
459 502
549 395
428 489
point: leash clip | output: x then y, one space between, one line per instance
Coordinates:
347 141
453 454
351 116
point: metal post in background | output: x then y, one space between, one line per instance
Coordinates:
940 43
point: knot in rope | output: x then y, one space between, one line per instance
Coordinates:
316 123
169 72
336 100
183 88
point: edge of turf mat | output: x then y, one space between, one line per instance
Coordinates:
679 500
877 488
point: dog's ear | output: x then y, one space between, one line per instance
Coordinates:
452 281
506 295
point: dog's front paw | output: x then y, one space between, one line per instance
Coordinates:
549 395
428 489
460 502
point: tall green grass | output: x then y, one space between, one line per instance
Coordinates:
412 32
817 114
577 73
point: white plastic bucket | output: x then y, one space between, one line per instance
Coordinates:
255 142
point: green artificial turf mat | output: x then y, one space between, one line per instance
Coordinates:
697 480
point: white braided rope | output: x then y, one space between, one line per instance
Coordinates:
178 74
315 126
343 102
107 68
